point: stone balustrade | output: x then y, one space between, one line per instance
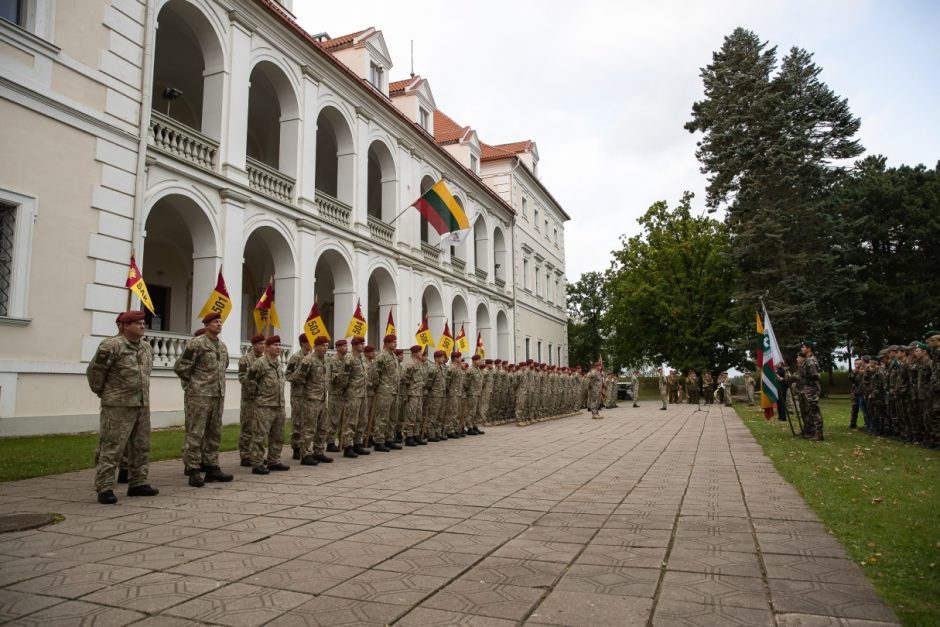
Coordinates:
269 181
381 232
432 254
167 347
182 142
332 209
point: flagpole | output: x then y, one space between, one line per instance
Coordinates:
129 293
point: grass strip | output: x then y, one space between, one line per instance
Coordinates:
879 497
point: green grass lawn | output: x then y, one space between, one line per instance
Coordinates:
879 497
22 458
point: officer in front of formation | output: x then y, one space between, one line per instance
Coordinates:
120 375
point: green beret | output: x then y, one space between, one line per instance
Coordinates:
883 353
865 357
921 346
931 333
810 343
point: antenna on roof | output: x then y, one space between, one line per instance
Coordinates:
412 58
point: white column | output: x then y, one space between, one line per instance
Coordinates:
233 254
360 204
235 135
307 168
360 270
307 264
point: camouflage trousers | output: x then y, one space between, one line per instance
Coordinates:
812 418
473 413
245 420
932 417
336 406
594 402
413 415
356 419
663 397
315 426
434 416
394 424
269 423
451 413
386 420
203 416
297 421
483 410
123 428
520 408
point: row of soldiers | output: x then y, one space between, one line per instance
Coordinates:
674 388
898 392
356 399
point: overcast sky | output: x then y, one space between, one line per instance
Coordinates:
604 88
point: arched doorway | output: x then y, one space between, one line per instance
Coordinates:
382 180
335 156
432 309
481 238
500 255
382 300
268 255
178 262
484 328
503 338
273 121
334 292
460 315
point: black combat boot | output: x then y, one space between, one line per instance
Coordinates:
309 460
421 441
142 490
122 475
409 441
296 453
215 474
245 463
260 470
361 450
195 479
393 445
278 466
381 448
332 448
323 459
349 452
107 497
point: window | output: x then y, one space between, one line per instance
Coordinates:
548 282
474 164
536 214
546 229
525 274
559 356
539 348
525 206
528 348
16 233
13 11
558 296
556 237
424 118
538 283
550 355
376 73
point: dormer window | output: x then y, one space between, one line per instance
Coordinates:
525 206
376 75
474 163
424 118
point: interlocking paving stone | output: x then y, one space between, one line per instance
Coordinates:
584 609
645 517
239 604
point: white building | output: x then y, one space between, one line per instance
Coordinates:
205 135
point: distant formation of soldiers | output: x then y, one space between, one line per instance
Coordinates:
357 401
692 389
898 392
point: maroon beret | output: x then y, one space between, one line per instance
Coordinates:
257 338
368 348
417 348
199 332
320 341
440 354
496 361
211 316
389 338
399 351
358 340
303 339
489 361
340 343
274 339
475 358
455 355
130 316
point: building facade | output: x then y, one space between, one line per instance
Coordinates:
201 137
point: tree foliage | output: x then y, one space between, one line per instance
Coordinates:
774 147
670 292
587 305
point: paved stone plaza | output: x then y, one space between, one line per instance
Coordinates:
644 517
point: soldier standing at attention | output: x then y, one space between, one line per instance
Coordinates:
453 385
708 387
387 377
357 396
415 379
369 353
521 389
749 387
663 388
594 381
635 387
312 374
297 395
434 401
810 390
691 388
338 384
474 392
246 410
201 369
120 376
486 396
267 375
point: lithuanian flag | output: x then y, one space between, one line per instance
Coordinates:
439 208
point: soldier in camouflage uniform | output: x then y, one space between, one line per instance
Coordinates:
415 380
809 388
635 387
387 378
297 395
367 418
246 409
201 370
932 417
339 381
594 380
400 399
434 401
267 376
355 417
312 375
663 388
474 388
521 388
453 389
119 375
486 395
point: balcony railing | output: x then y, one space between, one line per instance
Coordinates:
432 254
481 274
381 232
269 181
167 347
181 141
458 263
500 283
331 209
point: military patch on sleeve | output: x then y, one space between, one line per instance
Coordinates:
101 357
188 354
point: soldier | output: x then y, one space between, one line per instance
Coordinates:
594 381
708 387
400 399
369 353
297 395
663 388
453 389
856 376
635 387
201 370
387 377
474 392
486 396
120 376
809 386
267 375
312 375
434 401
749 387
355 420
415 379
672 387
932 417
245 415
691 387
339 381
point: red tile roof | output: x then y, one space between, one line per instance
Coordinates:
342 41
446 130
493 153
396 87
